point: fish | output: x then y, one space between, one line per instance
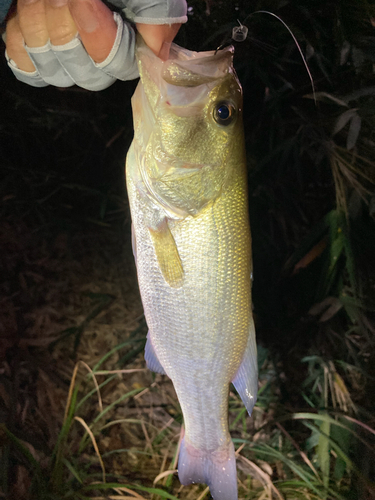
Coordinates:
187 188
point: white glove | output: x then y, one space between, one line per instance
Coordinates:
69 64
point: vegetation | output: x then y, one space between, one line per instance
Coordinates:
80 417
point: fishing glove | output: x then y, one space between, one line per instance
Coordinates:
69 64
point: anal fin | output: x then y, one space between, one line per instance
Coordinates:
246 378
152 361
167 254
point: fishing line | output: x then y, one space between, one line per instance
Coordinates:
239 34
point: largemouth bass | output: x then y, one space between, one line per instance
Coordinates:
187 186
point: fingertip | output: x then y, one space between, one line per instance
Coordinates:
96 26
60 25
164 51
15 46
32 22
84 14
159 37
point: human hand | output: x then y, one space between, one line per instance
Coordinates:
63 42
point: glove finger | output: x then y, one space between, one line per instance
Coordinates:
121 63
30 78
65 65
48 66
80 67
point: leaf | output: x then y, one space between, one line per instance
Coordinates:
312 441
106 410
93 391
350 260
325 97
22 448
354 129
343 438
340 468
114 350
313 254
343 119
308 478
327 308
337 247
316 235
331 311
344 52
334 446
327 418
323 451
94 443
318 309
72 470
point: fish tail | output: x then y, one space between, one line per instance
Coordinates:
215 468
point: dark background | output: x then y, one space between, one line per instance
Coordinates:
311 193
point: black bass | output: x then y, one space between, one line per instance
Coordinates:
187 186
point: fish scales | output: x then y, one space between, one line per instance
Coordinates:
186 179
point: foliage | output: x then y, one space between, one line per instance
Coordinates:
311 160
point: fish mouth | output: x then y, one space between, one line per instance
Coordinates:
185 68
190 69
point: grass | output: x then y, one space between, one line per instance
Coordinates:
80 415
317 466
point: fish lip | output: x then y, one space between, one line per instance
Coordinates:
185 55
185 67
193 71
182 54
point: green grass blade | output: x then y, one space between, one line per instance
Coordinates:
308 479
112 351
324 452
18 443
94 391
72 470
39 477
105 411
326 418
121 398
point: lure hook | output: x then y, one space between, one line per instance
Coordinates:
239 34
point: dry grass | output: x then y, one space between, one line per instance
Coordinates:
59 283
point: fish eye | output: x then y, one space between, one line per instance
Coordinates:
224 113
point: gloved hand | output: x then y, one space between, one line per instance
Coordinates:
67 42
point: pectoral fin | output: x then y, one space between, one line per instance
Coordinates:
246 379
152 361
167 255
